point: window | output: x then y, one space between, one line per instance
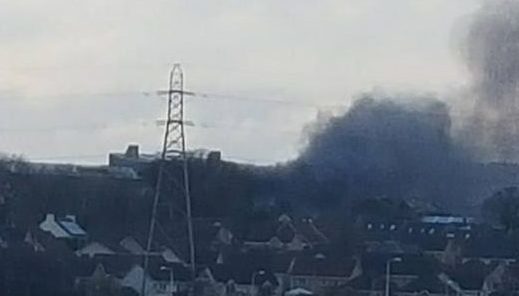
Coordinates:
162 286
300 281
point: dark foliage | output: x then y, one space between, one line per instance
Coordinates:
502 208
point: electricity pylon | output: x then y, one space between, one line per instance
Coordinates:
174 152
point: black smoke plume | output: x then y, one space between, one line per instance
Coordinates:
381 148
404 147
491 51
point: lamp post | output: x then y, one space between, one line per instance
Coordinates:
319 257
388 272
253 280
170 269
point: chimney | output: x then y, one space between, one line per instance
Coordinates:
132 151
50 218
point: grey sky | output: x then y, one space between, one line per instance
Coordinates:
72 72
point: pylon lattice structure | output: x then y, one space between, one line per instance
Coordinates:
173 173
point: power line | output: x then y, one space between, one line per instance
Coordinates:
245 99
53 129
156 123
218 96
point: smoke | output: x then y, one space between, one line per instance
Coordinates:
491 52
381 134
396 147
406 146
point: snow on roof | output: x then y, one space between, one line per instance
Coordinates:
298 291
50 225
443 219
72 227
62 227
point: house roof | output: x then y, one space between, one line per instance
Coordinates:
239 264
367 282
242 266
95 248
410 265
62 227
490 245
471 274
445 219
311 230
298 292
381 230
120 265
285 229
429 283
161 270
391 247
71 226
428 236
242 274
116 265
132 245
207 234
322 264
37 238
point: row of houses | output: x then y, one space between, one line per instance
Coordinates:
288 256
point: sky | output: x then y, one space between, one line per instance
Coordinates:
76 76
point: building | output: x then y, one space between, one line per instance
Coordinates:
320 271
285 234
142 163
117 272
64 228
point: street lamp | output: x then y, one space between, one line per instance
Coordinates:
170 269
253 279
388 272
319 257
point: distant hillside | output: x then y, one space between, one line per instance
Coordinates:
111 205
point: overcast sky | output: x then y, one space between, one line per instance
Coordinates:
73 73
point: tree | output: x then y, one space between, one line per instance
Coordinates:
383 208
502 209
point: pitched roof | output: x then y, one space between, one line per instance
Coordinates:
490 245
429 283
242 274
410 265
62 227
367 282
471 274
241 266
298 292
311 231
286 230
277 262
322 264
38 238
95 248
120 265
161 271
116 265
71 226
